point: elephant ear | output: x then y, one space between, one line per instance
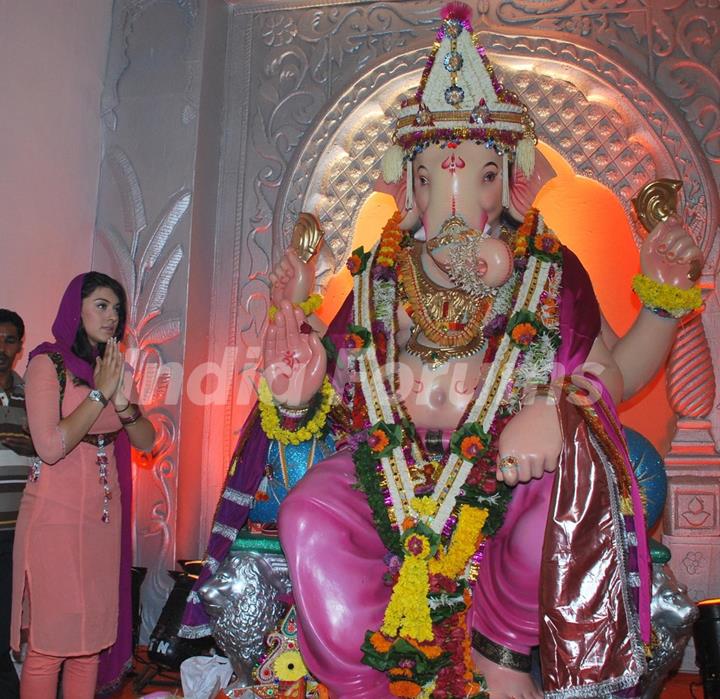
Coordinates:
398 191
524 189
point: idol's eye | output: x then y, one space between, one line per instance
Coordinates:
423 179
490 176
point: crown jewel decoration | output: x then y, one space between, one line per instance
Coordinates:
460 98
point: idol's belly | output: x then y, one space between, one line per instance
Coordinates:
436 398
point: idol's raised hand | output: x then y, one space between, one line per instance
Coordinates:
294 357
292 279
670 256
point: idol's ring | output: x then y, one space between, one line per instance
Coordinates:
507 463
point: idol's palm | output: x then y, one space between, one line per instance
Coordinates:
294 357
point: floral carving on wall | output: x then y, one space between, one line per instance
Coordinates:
147 260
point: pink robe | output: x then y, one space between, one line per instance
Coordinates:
66 561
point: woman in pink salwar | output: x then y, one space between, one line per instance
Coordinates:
69 551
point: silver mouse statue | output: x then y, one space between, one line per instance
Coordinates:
243 600
673 614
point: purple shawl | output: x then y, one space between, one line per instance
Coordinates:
117 659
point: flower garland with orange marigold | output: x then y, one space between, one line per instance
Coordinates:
416 645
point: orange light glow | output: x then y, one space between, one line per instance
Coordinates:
590 220
374 214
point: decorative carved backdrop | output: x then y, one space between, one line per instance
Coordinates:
624 89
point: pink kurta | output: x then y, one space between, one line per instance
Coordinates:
66 559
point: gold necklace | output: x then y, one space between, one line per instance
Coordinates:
435 357
448 317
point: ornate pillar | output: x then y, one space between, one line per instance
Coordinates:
692 514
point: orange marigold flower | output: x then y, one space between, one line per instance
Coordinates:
408 523
354 263
380 643
549 310
404 688
378 441
354 341
471 447
429 650
524 333
521 246
547 243
400 672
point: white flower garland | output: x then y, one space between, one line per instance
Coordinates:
382 406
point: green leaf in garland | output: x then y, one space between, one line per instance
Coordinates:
408 428
357 262
357 338
330 348
554 336
369 482
496 504
421 536
384 654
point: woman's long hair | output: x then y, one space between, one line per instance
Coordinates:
97 280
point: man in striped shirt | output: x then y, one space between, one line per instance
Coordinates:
15 452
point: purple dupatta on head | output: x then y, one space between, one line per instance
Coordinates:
116 660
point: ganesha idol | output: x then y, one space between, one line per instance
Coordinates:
477 501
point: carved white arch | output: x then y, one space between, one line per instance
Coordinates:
602 117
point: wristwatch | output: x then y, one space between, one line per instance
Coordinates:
98 397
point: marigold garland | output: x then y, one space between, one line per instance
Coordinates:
390 241
270 420
308 306
664 297
405 688
464 543
408 613
425 506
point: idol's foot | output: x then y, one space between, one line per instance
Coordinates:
505 683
